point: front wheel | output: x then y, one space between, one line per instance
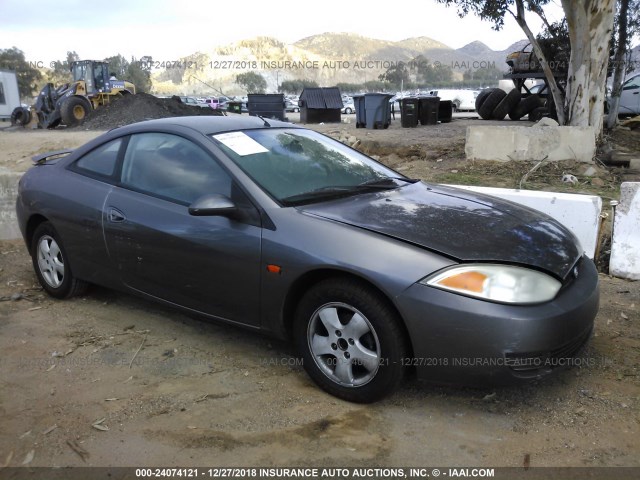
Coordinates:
51 264
350 340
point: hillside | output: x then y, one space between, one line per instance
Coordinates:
328 58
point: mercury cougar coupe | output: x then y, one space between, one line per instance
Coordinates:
282 230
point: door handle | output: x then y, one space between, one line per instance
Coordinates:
116 215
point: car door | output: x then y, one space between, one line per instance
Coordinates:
78 210
210 264
630 97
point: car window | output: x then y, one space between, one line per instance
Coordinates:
288 162
632 84
102 160
172 167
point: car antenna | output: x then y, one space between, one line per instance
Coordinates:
266 124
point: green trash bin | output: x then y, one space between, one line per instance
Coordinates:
409 107
429 107
234 107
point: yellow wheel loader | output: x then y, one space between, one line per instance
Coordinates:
69 104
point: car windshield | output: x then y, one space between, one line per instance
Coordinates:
297 166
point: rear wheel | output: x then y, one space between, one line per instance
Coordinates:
350 340
51 264
74 110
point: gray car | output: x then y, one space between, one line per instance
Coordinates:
630 97
282 230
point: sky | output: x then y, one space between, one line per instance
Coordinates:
167 30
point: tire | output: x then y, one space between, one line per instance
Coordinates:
337 323
508 103
74 110
491 102
525 106
51 264
20 116
348 111
482 96
537 113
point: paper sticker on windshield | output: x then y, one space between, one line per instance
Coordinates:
240 143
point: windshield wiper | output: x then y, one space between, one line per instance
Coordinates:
387 183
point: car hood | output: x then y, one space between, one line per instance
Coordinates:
463 225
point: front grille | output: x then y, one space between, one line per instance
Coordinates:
559 357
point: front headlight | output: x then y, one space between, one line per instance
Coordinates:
496 283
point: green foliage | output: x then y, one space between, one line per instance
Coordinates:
492 10
296 86
252 82
136 72
61 72
350 87
377 86
28 76
482 76
396 75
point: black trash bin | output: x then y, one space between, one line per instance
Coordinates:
428 111
234 107
358 105
409 111
445 111
267 105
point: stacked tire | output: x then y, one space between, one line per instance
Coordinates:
496 104
20 116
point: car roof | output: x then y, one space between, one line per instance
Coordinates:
210 124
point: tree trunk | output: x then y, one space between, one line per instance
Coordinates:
590 25
619 64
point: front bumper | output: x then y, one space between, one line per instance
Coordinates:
461 340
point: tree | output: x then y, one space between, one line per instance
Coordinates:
27 75
590 23
397 75
626 26
136 72
350 87
296 86
61 72
252 82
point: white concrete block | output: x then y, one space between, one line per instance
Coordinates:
625 246
505 143
579 213
8 193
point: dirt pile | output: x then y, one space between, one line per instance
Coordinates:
136 108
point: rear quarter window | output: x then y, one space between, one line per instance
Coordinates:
100 161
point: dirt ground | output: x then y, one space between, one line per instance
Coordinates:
108 379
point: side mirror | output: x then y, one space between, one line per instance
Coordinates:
213 205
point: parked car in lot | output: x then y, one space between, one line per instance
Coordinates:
630 97
348 107
291 106
191 101
285 231
460 99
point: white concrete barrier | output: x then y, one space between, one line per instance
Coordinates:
579 213
8 193
505 143
625 245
